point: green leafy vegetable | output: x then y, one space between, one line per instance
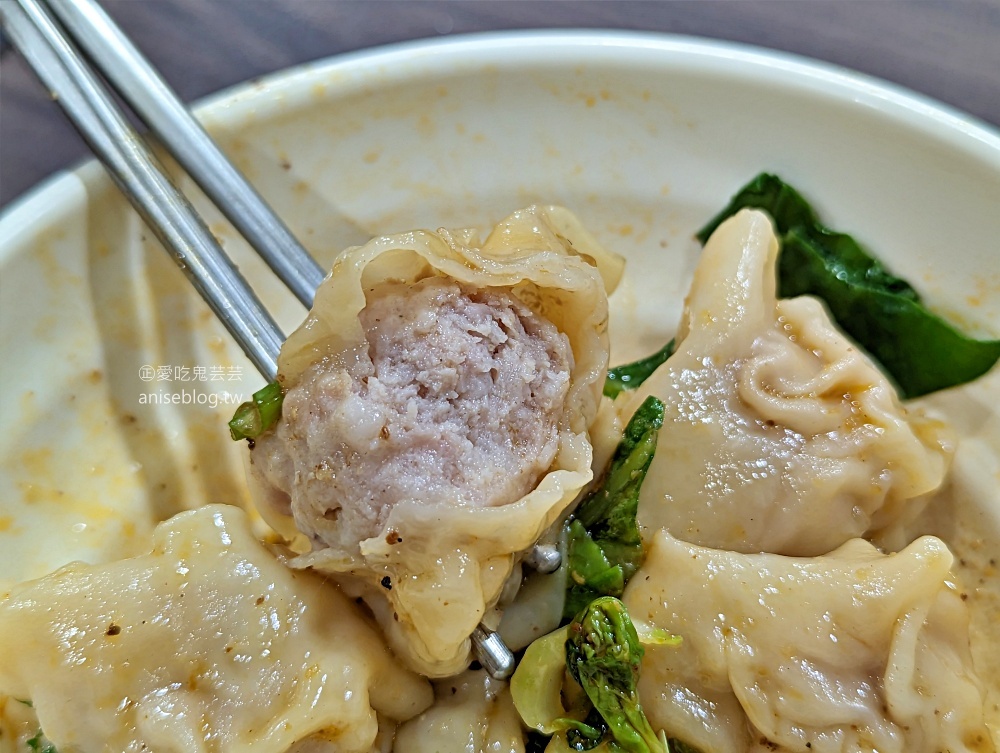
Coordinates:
258 415
591 573
630 375
604 548
603 654
40 744
535 742
919 350
551 703
585 735
536 689
536 686
679 746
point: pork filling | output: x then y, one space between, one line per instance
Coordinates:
459 401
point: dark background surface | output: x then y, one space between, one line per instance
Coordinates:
947 49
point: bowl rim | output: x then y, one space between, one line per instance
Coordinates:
534 46
413 59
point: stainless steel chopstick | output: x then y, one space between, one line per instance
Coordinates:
145 91
142 179
164 208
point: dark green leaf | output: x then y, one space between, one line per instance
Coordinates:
630 375
770 193
679 746
590 573
535 742
920 351
844 257
610 508
585 735
40 744
258 415
604 546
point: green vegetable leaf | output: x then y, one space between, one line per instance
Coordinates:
630 375
40 744
551 704
585 735
603 654
536 687
919 350
590 572
785 205
258 415
678 746
604 547
535 742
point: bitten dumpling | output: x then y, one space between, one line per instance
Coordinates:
208 643
780 435
852 651
436 416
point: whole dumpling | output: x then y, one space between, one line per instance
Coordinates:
848 652
435 423
780 435
207 643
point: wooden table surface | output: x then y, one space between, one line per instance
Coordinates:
947 49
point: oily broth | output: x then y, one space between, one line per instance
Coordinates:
965 513
90 470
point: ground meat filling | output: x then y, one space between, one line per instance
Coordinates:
460 401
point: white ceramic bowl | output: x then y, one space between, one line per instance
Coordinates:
643 136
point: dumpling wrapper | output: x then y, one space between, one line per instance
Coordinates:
208 643
448 564
780 435
472 713
849 652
